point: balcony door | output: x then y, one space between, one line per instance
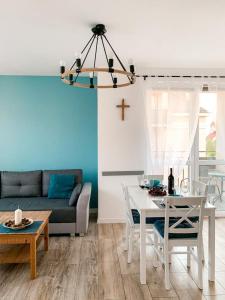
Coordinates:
207 157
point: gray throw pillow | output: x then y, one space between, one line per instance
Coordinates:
20 184
75 195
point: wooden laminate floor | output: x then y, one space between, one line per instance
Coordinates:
94 267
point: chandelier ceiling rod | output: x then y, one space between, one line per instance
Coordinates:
182 76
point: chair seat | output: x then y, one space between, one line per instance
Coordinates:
136 218
160 224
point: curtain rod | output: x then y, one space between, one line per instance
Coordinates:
181 76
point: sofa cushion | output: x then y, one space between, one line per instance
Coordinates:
46 173
61 211
61 186
21 184
75 195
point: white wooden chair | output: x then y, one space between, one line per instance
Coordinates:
197 188
179 230
133 224
214 193
210 189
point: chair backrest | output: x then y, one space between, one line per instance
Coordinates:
141 178
184 209
213 190
127 204
199 188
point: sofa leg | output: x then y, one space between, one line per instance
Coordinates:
79 234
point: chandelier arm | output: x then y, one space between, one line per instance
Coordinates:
87 44
85 57
82 51
107 60
117 57
73 65
96 49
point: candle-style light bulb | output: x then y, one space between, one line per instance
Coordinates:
62 66
71 78
78 55
115 82
130 61
111 54
62 63
91 80
78 60
131 64
110 62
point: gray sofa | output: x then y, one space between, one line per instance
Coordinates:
29 190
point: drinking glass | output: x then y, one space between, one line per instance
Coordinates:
185 186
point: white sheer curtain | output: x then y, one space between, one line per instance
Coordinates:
171 122
220 127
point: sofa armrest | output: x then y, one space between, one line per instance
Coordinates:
82 209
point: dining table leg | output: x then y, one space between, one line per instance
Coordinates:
143 247
221 199
211 246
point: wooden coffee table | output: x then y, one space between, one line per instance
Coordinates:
22 247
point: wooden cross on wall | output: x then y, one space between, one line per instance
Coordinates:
123 106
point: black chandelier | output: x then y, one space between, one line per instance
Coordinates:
71 76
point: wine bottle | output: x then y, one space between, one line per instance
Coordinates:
171 183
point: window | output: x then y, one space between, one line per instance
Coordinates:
205 158
178 119
172 117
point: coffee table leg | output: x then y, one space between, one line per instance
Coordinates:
33 258
46 237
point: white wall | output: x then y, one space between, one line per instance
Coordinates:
121 147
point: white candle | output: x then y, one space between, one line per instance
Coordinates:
18 216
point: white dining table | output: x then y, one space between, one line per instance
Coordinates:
149 206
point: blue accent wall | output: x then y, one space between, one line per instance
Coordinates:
45 124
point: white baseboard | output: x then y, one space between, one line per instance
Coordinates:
110 220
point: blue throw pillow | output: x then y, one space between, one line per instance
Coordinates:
60 186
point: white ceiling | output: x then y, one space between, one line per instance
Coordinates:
36 34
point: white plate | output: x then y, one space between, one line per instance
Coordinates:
18 228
